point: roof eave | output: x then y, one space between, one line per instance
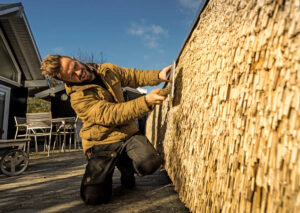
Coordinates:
10 12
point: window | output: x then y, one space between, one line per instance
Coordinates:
9 70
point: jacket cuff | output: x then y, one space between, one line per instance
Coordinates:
149 106
154 75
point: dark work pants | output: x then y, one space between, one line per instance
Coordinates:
134 155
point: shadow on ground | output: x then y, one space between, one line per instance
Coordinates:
52 185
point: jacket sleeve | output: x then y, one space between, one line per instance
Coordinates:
99 111
131 77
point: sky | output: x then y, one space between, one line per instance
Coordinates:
142 34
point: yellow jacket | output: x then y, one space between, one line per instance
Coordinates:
106 117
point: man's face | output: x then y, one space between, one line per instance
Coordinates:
74 71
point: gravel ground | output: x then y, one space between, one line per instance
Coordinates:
51 184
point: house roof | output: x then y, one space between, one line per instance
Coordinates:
15 26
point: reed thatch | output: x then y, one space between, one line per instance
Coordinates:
231 136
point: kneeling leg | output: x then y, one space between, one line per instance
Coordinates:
146 159
96 185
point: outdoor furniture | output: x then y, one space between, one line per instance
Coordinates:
79 124
40 124
21 127
14 160
65 126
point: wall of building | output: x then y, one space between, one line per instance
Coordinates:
231 136
18 107
61 108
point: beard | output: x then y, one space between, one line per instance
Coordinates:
91 72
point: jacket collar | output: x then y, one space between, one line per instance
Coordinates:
100 71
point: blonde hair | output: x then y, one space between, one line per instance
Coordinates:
51 65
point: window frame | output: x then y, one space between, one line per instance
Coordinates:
6 90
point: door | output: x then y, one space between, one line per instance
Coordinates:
4 110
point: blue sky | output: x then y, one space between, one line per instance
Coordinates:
142 34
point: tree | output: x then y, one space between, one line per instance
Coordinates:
89 57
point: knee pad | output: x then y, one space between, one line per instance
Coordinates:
96 194
148 165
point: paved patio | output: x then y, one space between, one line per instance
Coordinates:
51 184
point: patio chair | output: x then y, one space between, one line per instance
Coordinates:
40 124
21 127
67 127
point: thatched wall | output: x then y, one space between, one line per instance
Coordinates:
231 137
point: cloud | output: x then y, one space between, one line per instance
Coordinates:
190 4
158 30
136 29
58 49
149 34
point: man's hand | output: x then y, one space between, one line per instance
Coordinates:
153 97
164 72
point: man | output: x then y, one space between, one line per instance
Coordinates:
109 133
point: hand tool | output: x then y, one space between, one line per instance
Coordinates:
168 88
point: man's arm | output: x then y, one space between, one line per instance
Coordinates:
134 77
94 110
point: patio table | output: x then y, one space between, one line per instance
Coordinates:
62 124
